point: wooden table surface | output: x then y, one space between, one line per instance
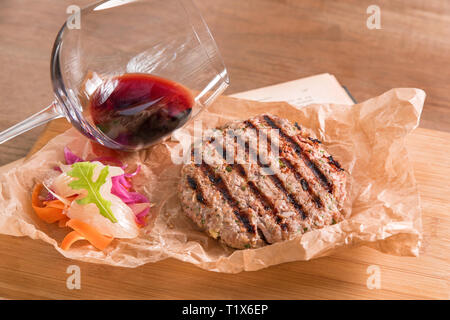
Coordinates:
263 42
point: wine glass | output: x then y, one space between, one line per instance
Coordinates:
167 39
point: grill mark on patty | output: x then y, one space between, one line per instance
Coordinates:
265 201
220 185
288 164
262 236
267 205
335 163
305 185
192 182
299 150
278 183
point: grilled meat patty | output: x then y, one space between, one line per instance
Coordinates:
260 181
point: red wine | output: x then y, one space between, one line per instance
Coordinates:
137 110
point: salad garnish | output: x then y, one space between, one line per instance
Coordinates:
94 197
84 172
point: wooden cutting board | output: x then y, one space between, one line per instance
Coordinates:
33 269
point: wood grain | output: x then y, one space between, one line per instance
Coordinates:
34 270
262 42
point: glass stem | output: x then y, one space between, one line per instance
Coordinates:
44 116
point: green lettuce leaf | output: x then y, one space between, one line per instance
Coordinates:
84 172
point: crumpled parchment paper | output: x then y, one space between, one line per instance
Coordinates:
368 139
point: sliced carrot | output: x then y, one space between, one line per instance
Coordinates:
35 195
58 204
70 239
48 214
89 233
52 211
62 223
